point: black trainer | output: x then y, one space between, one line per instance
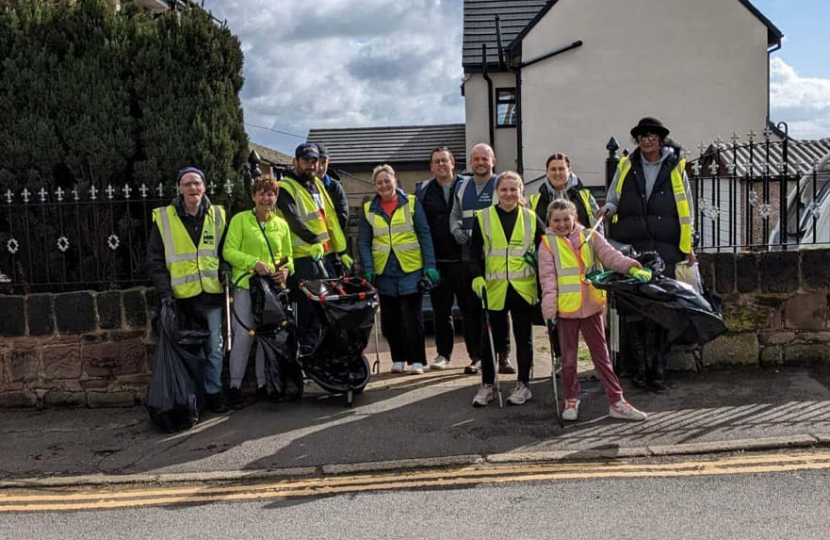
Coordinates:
216 402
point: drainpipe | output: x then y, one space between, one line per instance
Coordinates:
490 111
776 47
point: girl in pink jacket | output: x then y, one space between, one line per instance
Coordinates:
569 299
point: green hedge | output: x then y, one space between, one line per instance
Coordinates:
90 96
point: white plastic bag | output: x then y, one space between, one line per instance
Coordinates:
689 274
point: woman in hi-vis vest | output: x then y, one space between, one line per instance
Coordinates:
503 265
572 304
396 253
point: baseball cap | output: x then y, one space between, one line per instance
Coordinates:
307 151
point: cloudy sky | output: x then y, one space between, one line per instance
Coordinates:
350 63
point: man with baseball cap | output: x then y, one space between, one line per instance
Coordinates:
183 262
309 211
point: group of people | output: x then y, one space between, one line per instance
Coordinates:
471 240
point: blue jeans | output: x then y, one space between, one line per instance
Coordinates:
213 351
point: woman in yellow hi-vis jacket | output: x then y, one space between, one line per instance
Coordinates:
503 265
396 253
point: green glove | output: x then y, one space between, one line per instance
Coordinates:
346 261
478 286
316 252
369 276
640 274
532 259
432 275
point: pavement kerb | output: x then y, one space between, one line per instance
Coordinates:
747 445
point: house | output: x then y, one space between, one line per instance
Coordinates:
574 73
354 152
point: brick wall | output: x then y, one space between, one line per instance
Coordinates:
75 349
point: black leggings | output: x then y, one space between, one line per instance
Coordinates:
522 314
402 323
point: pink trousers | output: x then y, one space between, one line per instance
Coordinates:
593 330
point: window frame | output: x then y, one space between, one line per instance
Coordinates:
508 102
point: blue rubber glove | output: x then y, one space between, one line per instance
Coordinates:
432 275
346 261
369 276
478 286
316 252
640 274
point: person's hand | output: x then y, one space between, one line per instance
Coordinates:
317 251
226 278
262 269
432 275
691 257
605 211
479 284
551 322
346 261
280 276
531 259
369 276
640 274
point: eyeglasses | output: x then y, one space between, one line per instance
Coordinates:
442 161
646 137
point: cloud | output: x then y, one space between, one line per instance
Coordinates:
340 63
802 102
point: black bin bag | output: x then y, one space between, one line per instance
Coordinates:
173 396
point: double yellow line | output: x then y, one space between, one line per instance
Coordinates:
75 499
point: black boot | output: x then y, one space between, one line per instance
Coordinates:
638 355
235 401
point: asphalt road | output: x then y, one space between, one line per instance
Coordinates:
750 505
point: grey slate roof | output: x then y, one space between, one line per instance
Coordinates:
271 156
480 26
518 17
397 144
802 156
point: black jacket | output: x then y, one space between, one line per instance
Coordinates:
437 211
653 224
573 196
157 266
338 198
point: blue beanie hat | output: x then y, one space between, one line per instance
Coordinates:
190 170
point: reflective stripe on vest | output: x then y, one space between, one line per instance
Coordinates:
570 273
679 192
471 201
395 235
193 269
505 261
309 215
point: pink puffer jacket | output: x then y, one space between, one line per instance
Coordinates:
603 251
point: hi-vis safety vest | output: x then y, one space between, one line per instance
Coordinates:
584 197
397 235
570 272
193 269
325 231
680 200
504 262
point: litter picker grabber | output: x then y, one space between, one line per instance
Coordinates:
228 334
492 347
554 365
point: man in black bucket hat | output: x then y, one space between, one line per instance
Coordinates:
649 202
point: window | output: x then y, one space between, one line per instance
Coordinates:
505 107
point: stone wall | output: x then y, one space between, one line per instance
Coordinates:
775 305
75 349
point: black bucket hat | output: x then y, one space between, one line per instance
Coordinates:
650 125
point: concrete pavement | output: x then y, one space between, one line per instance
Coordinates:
408 421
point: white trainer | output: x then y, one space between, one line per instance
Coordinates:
519 395
441 362
571 412
397 367
485 395
417 368
626 411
